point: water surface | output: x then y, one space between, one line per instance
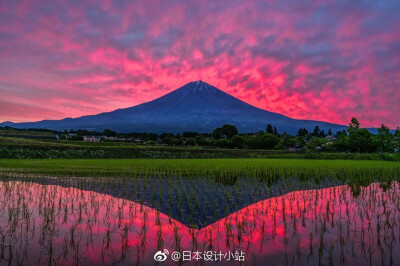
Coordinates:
52 224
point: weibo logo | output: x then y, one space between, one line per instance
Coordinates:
161 256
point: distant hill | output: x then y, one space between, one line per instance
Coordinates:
197 106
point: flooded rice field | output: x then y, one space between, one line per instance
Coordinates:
75 221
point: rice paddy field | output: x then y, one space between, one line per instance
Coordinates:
199 212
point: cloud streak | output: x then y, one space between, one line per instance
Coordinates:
323 60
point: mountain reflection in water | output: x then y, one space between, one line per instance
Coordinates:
51 224
194 202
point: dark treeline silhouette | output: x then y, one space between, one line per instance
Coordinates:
354 139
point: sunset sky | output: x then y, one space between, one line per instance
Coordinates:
321 60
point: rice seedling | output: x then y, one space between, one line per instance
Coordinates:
307 212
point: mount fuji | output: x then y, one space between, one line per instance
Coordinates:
197 106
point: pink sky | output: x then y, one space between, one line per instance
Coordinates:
320 60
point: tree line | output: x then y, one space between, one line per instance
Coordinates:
354 139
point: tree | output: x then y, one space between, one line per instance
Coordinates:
217 133
316 142
168 139
237 141
341 132
342 142
77 137
229 131
330 132
109 133
396 140
276 131
179 140
302 132
286 141
360 140
270 129
190 142
289 142
354 123
223 143
226 131
385 139
316 132
190 134
201 140
253 142
268 141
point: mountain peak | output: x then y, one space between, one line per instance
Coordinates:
198 87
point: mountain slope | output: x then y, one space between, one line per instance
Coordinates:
197 106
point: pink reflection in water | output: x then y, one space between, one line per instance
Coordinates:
41 224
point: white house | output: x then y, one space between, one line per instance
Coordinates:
91 138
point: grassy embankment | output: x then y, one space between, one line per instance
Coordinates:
24 148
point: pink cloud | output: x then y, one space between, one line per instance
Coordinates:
323 61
